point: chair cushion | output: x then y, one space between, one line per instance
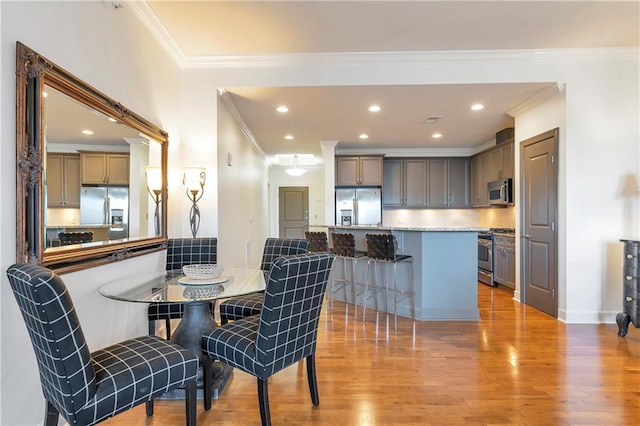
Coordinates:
235 345
241 307
135 371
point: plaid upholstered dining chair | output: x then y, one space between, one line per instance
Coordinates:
251 304
87 388
284 333
180 252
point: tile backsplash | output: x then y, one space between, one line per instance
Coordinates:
495 217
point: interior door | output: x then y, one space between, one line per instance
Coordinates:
293 218
539 200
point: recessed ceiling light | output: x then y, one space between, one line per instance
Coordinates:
364 136
289 137
45 94
477 107
282 108
436 135
87 132
113 120
374 108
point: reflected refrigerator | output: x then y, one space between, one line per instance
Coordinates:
358 206
101 205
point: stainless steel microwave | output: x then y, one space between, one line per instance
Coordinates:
501 192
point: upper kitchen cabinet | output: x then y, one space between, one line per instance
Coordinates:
448 183
405 183
63 180
104 168
480 172
502 162
353 171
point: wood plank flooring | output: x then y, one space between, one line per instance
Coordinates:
515 366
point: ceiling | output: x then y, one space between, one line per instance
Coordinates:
67 119
249 29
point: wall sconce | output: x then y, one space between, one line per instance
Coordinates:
193 179
153 175
296 170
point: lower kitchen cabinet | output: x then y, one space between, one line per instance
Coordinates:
504 259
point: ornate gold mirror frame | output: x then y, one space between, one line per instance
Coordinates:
33 73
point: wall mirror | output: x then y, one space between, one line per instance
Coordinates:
85 191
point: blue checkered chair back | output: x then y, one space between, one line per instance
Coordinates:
180 252
293 298
189 251
67 375
276 247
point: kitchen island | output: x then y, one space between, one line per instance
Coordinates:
445 262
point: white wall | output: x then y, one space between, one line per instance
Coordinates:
110 50
243 194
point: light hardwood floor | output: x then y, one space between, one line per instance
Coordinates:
515 366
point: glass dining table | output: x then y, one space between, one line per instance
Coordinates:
195 295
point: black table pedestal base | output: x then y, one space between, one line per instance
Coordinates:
196 321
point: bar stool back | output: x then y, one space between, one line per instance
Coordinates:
344 248
382 249
317 241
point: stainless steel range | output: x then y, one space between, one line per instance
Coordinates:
485 254
485 258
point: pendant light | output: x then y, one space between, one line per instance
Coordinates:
296 170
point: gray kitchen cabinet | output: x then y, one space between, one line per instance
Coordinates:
405 183
353 171
502 162
504 258
480 165
63 180
448 183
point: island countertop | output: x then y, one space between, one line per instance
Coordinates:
445 268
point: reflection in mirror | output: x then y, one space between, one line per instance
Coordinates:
82 197
94 174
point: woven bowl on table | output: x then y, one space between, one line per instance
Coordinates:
202 271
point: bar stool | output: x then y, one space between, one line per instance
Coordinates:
344 249
381 249
317 241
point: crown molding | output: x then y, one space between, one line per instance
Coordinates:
433 57
150 20
539 98
413 152
227 101
159 31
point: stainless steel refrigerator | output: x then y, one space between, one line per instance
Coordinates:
358 206
100 205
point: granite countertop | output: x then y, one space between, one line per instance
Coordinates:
410 228
77 226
